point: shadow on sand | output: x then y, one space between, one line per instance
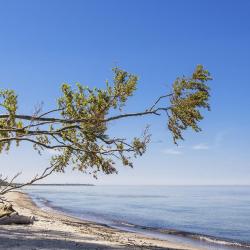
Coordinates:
42 239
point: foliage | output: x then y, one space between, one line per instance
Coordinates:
77 129
189 95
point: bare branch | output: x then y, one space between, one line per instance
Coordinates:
48 171
158 100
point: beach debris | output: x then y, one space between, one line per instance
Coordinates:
16 219
9 216
6 210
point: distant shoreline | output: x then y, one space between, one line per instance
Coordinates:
50 184
61 184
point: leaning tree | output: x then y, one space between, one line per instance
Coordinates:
78 128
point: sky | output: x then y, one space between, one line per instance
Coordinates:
45 43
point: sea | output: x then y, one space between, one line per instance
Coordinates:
210 217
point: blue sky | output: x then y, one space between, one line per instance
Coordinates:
45 43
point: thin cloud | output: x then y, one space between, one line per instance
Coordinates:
219 138
171 151
201 146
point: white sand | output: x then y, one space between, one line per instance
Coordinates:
54 230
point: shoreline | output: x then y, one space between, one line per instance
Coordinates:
194 239
56 230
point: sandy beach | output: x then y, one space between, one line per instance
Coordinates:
54 230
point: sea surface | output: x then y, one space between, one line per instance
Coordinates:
214 217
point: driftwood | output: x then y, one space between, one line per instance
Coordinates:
6 210
16 219
9 216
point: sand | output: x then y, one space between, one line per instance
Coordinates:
55 230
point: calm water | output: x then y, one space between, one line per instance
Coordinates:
214 214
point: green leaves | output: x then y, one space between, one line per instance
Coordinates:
77 130
124 86
8 103
96 103
189 95
93 149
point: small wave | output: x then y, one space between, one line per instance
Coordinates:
195 236
127 224
45 203
40 200
206 238
223 242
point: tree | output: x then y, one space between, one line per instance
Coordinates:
77 129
